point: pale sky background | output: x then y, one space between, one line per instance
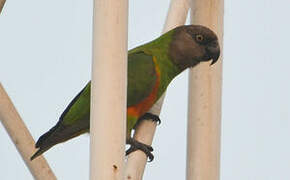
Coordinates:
45 58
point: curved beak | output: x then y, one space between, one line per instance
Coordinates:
214 51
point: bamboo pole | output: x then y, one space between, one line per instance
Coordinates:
204 117
22 139
2 2
109 83
145 131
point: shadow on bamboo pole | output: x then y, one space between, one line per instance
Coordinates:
204 116
2 2
22 139
144 133
108 91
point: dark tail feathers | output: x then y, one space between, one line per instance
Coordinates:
43 143
59 134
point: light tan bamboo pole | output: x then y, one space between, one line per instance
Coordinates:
204 117
109 83
145 131
22 139
2 2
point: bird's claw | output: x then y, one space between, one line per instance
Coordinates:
136 145
151 116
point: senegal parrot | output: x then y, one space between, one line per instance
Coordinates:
151 67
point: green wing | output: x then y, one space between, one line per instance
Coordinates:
79 107
141 80
75 120
141 77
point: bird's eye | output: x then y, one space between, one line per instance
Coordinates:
199 38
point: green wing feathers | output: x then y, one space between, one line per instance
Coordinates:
141 77
79 106
75 120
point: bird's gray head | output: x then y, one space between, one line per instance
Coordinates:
192 44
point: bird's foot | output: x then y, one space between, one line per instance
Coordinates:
136 145
150 116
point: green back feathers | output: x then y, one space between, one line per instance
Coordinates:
141 77
159 48
79 107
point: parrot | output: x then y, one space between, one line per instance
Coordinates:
151 68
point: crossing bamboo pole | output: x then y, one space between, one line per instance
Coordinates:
204 117
2 2
22 139
145 131
108 91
